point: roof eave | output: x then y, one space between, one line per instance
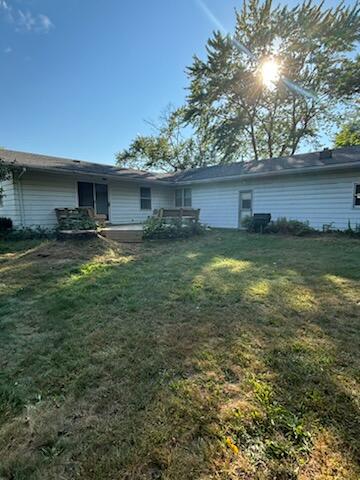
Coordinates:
118 177
317 169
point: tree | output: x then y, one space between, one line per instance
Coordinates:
5 174
170 148
349 135
269 88
346 79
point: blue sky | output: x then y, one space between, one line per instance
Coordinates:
78 77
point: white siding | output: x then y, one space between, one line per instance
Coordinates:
319 199
40 193
125 202
9 204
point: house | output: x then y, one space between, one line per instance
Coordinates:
320 187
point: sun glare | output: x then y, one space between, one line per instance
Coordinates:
270 72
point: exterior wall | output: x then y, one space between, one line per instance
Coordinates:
125 202
40 193
319 199
9 206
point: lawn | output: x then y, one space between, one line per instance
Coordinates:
230 356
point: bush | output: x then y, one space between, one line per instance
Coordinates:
80 223
248 223
281 225
353 231
30 233
289 227
5 225
159 228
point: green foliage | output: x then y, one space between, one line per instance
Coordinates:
346 78
5 225
353 231
289 227
282 225
5 173
83 222
349 134
159 228
30 233
170 148
247 119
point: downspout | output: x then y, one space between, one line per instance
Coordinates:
21 197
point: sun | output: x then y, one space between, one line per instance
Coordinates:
270 73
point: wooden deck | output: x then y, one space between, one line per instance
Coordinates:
132 233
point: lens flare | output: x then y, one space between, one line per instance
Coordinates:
270 73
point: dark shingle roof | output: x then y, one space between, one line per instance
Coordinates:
65 165
315 160
348 157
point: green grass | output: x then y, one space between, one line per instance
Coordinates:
222 357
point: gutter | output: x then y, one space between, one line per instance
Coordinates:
295 171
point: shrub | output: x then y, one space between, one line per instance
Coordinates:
5 225
353 231
80 223
30 233
248 223
289 227
159 228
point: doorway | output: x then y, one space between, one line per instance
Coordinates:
245 205
94 195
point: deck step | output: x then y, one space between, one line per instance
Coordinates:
130 235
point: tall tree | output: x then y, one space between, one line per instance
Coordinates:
349 134
270 87
170 148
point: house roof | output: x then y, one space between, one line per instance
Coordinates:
347 157
344 158
66 165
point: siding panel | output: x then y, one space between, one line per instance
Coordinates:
42 193
319 199
9 205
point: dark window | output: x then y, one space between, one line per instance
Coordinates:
86 194
187 197
183 197
357 195
246 204
178 198
145 198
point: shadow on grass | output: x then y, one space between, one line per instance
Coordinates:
146 364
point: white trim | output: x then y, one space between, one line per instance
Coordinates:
354 194
239 204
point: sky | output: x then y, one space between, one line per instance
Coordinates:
79 77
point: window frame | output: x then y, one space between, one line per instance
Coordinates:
182 197
177 191
189 190
356 185
145 198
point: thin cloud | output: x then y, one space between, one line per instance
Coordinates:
25 21
8 50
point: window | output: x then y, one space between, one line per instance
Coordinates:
183 197
86 194
145 198
357 195
178 198
187 197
